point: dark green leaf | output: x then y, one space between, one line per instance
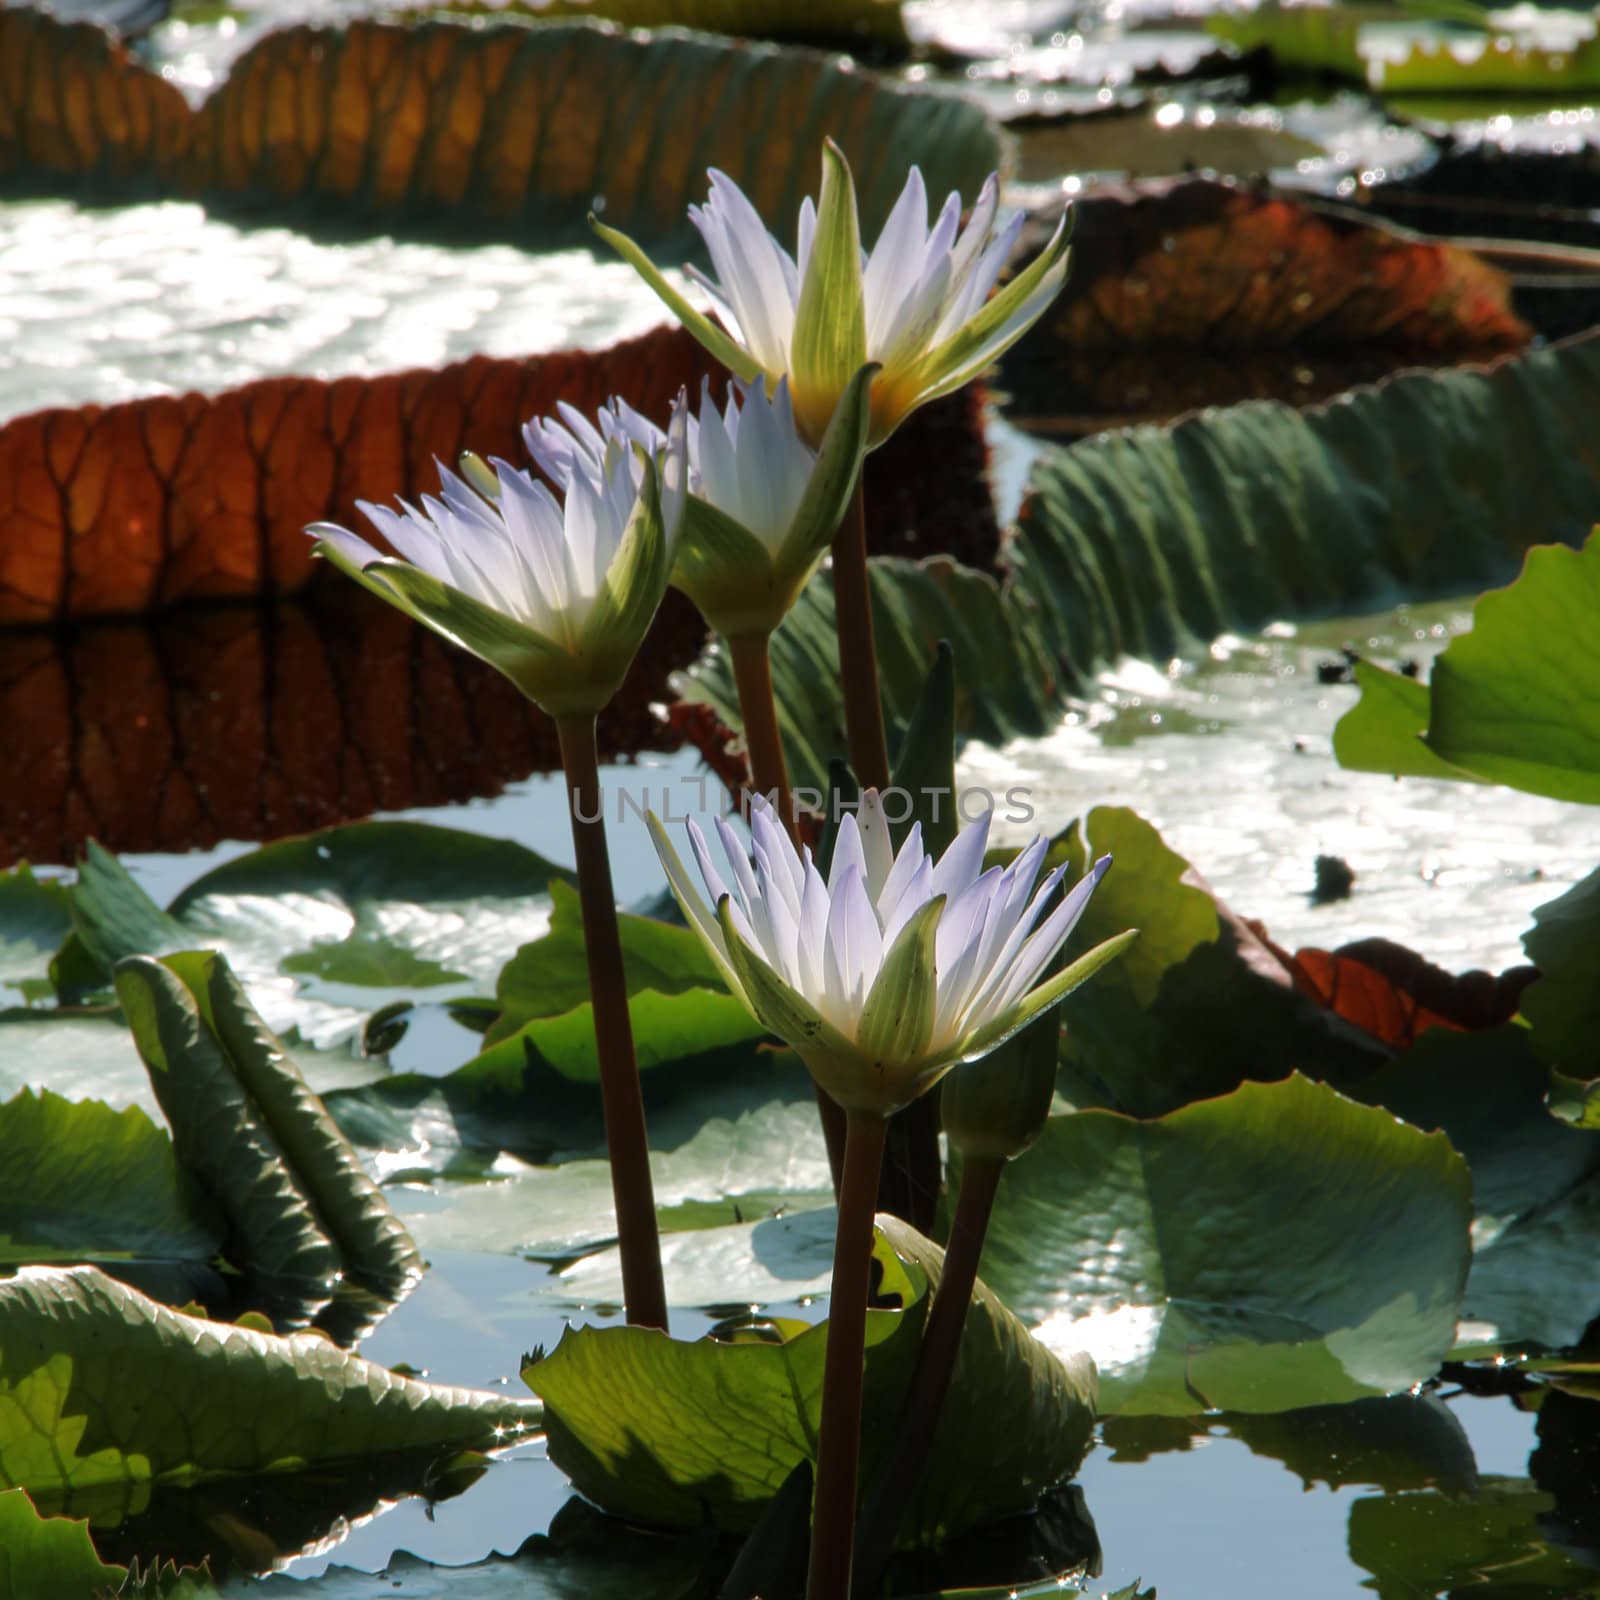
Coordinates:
100 1386
1276 1248
1198 1002
297 1199
35 916
1402 1442
392 908
1535 1181
81 1182
1145 541
673 1433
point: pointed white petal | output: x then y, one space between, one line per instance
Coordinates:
963 860
1036 954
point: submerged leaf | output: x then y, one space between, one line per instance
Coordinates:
101 1387
672 1433
1275 1248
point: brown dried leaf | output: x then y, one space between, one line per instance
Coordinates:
1394 994
1194 292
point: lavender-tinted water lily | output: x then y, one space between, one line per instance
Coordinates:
763 505
918 305
557 594
897 966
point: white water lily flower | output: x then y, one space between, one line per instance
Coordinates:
918 304
897 967
763 505
556 595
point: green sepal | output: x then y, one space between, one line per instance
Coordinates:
943 368
993 1034
731 354
790 1015
694 909
897 1019
547 674
741 585
629 597
830 321
834 476
729 573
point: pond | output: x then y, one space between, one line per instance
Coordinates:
1303 1389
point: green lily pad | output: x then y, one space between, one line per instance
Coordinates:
100 1386
1198 1003
81 1182
553 1212
673 1434
551 975
34 919
680 1007
389 910
774 1260
81 1054
1535 1180
1275 1248
49 1555
1562 1007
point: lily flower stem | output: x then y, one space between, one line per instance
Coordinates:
858 653
644 1293
833 1517
898 1474
912 1189
769 774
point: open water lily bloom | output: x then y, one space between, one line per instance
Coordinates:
918 304
763 505
896 967
557 594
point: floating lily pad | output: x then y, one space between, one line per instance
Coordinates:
673 1433
81 1182
34 919
81 1356
379 910
772 1154
1275 1248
